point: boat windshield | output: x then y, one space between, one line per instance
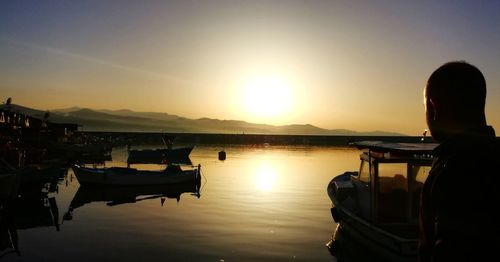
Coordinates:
420 173
399 187
364 172
393 192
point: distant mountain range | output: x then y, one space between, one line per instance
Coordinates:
125 120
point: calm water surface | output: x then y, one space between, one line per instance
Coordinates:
260 204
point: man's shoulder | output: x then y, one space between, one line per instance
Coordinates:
456 170
463 157
469 148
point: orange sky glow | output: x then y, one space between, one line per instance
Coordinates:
335 65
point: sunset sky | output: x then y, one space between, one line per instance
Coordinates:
358 65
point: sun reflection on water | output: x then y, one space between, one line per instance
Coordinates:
265 176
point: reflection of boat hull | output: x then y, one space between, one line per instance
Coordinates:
159 155
350 245
9 241
133 177
36 210
115 195
9 184
41 174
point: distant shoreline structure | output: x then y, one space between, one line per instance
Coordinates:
122 138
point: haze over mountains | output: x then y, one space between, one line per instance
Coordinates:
125 120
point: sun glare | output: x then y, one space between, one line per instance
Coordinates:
267 97
265 177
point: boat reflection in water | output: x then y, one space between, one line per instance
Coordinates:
116 195
33 205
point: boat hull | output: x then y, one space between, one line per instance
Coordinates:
133 177
380 242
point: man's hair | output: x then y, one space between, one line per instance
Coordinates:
459 85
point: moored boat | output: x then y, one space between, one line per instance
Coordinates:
377 207
180 154
131 176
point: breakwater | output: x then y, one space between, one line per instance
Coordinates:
123 138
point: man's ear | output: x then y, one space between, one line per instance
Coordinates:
431 107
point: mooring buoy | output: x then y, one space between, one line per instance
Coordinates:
222 155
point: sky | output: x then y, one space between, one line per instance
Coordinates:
358 65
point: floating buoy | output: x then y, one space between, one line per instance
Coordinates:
222 155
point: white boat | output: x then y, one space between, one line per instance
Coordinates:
131 176
377 207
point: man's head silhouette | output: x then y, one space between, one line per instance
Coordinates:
455 97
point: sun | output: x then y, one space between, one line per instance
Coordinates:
267 97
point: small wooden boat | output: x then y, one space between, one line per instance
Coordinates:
377 207
146 156
121 176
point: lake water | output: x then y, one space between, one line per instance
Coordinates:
260 204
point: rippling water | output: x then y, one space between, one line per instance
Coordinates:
260 204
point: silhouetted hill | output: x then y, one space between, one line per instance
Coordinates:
91 114
125 120
67 110
127 112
